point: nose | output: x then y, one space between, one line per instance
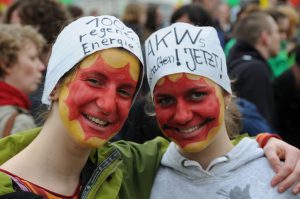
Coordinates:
41 65
183 114
106 101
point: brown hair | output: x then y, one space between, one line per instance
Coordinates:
47 16
249 28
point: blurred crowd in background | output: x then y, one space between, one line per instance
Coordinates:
263 56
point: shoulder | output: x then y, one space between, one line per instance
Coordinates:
249 63
13 144
154 147
5 184
23 122
22 118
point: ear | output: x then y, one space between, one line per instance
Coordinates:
55 93
264 38
227 99
4 67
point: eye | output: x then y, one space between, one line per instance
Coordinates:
125 93
33 58
165 101
197 96
94 82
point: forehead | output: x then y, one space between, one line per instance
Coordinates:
183 78
114 58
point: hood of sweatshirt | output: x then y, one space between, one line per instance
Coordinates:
246 151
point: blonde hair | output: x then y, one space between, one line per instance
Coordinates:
293 16
12 39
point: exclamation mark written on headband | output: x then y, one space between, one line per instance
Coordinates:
221 68
177 58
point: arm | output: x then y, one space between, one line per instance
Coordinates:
288 173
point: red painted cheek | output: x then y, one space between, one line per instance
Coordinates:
75 93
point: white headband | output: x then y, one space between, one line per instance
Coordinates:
83 37
184 48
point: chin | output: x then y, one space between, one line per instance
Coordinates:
93 142
194 147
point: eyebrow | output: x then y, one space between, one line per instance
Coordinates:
92 72
193 89
128 85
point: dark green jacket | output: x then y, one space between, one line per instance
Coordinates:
116 170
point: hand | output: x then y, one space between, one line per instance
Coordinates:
287 173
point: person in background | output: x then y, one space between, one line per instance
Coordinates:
287 102
211 6
282 61
193 14
224 16
293 16
258 39
135 17
48 17
154 20
192 96
75 11
242 13
20 75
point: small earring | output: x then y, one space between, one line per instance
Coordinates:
226 107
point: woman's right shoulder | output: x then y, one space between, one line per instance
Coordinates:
149 149
23 120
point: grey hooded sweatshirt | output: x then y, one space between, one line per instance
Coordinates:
243 173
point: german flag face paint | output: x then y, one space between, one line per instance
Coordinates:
189 110
94 102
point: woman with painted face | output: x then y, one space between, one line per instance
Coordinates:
192 96
91 81
93 75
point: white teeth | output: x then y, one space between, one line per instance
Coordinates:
189 130
97 121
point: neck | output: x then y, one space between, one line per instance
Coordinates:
64 156
220 146
263 51
52 160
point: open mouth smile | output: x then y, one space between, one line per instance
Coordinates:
96 121
189 130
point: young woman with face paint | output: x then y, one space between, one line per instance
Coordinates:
191 95
90 85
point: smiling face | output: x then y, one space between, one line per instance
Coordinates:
94 102
189 110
